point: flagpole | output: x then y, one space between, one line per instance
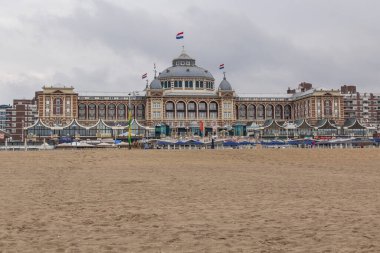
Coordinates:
129 120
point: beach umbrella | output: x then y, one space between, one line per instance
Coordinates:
230 143
181 143
195 142
104 145
162 143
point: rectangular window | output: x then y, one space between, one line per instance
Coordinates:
202 115
227 105
156 105
213 115
169 115
156 115
180 115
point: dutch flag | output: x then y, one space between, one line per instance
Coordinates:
221 66
144 76
179 36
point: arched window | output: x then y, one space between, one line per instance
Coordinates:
213 110
121 112
260 112
242 112
251 112
278 112
131 111
111 112
140 112
202 110
306 109
328 108
269 112
287 112
82 111
102 111
91 112
169 109
58 106
299 110
180 110
191 110
303 110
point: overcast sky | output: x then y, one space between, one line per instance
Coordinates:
266 46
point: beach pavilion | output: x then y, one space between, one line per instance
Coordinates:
326 129
352 127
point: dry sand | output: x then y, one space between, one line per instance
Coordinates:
190 201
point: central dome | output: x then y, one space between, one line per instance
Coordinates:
184 67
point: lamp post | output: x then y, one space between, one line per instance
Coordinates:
133 93
22 130
39 126
74 127
129 120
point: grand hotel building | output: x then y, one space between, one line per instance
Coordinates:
182 97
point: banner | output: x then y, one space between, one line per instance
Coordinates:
201 127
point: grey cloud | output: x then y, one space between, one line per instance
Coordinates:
266 47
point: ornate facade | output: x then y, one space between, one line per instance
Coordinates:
185 96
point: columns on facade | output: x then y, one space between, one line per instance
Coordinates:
64 106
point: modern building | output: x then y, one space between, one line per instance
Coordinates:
362 106
3 109
3 136
22 114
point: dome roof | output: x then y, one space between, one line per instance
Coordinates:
155 84
183 59
225 85
184 56
184 66
185 71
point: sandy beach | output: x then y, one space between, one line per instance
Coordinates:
190 201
